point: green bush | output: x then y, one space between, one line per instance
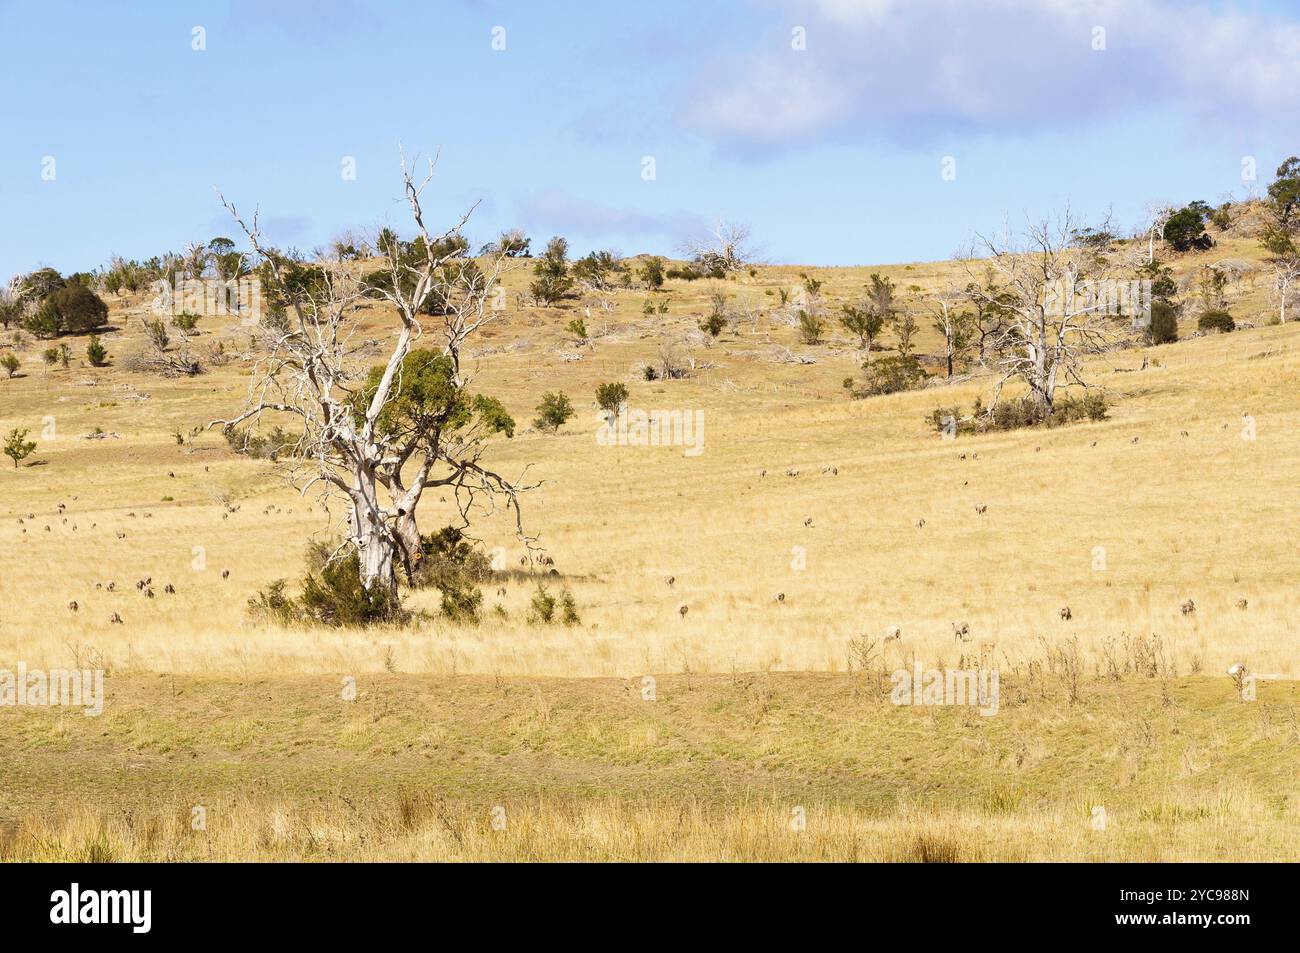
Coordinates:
611 397
96 353
811 327
451 564
553 412
1163 328
713 324
1020 413
888 375
543 607
652 273
72 309
1216 320
9 361
334 596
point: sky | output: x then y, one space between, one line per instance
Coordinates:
842 131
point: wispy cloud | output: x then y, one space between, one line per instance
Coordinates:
560 212
909 72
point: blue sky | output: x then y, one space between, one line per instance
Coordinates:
833 152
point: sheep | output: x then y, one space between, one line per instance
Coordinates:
670 580
893 634
169 589
682 610
808 521
780 597
1241 604
961 631
1188 607
981 508
1065 614
115 619
920 524
225 574
72 606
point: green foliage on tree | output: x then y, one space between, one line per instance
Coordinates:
1284 192
17 446
96 353
1185 229
1163 328
652 272
72 309
1216 320
553 412
553 280
611 397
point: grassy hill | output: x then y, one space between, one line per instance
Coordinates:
809 525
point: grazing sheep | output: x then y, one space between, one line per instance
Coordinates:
115 619
73 605
981 508
682 610
780 597
893 634
111 586
169 589
225 574
807 521
670 580
1241 603
1188 607
920 524
961 631
121 535
148 593
792 472
1066 614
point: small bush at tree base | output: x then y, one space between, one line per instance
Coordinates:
1216 320
332 595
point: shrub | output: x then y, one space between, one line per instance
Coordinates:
334 596
156 331
9 361
1216 320
713 324
96 353
553 281
541 611
553 412
451 564
578 328
1186 228
685 273
888 375
76 309
649 373
811 327
273 604
1163 328
269 447
186 323
611 397
50 356
1020 413
652 273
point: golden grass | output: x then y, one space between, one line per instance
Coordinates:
1207 516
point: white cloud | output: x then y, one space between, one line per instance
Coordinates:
911 71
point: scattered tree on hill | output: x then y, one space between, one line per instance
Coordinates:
652 272
611 398
18 447
1185 229
955 325
723 251
379 437
1045 345
96 353
9 361
553 412
72 309
553 281
596 269
1282 238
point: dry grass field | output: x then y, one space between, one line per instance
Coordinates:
808 526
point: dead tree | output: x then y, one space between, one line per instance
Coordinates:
355 439
1056 300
